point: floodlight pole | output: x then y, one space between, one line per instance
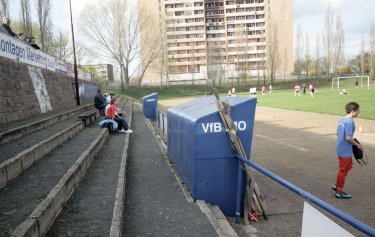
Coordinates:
74 57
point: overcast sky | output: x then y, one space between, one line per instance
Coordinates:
357 15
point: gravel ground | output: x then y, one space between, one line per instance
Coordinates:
300 147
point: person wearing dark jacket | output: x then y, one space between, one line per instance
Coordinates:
99 101
5 27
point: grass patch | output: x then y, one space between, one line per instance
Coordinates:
41 197
8 231
326 101
9 213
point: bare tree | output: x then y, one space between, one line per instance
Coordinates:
4 8
213 61
273 51
338 45
362 56
285 62
151 39
59 47
317 56
166 64
307 56
26 18
113 29
328 40
372 50
298 51
44 22
242 55
162 61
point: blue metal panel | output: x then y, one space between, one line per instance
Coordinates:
150 103
217 183
200 149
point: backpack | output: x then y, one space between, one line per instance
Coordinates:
106 122
358 154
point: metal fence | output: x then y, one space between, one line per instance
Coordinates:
162 121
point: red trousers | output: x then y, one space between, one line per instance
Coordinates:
345 164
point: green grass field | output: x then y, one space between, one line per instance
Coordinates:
326 100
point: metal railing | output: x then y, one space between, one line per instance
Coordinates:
162 121
329 208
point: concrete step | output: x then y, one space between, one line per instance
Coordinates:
96 207
34 183
30 203
217 219
18 155
10 132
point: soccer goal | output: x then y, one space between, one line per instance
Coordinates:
351 82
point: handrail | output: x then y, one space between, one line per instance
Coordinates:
161 120
329 208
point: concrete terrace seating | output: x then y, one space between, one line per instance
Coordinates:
68 178
18 129
42 154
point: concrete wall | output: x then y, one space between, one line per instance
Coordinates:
27 91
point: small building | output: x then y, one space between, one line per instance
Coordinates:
104 71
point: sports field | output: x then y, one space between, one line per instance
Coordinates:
325 100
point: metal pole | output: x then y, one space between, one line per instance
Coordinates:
74 56
238 196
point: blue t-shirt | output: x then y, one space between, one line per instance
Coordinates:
346 127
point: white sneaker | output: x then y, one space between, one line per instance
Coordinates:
129 131
122 130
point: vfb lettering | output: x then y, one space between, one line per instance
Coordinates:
150 100
218 127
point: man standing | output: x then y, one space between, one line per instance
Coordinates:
312 90
5 27
344 150
296 90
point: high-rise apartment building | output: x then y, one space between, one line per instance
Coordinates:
223 39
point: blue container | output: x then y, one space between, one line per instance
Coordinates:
150 104
200 148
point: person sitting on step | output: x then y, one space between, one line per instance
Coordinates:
111 114
100 102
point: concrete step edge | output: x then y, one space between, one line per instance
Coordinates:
44 215
220 224
118 209
15 165
17 132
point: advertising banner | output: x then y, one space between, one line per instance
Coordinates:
20 51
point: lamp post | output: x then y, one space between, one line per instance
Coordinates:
74 56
